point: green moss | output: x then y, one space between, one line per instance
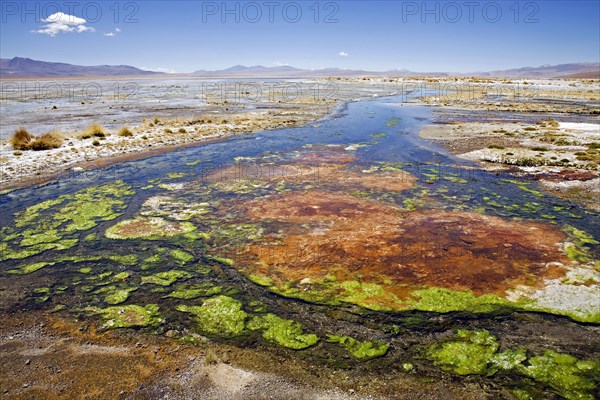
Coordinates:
284 332
129 259
45 225
159 257
85 270
261 280
570 378
227 261
326 291
203 269
508 359
474 353
90 237
100 277
166 278
445 300
194 291
469 354
121 276
175 175
365 350
182 257
577 250
367 295
220 316
119 296
128 316
30 268
523 185
192 163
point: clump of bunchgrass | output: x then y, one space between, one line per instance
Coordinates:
23 140
50 140
125 132
93 130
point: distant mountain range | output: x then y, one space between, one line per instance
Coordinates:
575 70
25 67
291 72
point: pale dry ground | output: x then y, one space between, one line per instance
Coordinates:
154 134
571 96
564 158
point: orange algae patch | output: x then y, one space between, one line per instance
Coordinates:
332 243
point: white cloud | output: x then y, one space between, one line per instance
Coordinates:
61 22
343 54
112 34
280 64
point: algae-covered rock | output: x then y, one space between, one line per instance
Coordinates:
570 378
119 296
30 268
44 226
284 332
194 291
443 300
473 352
181 256
220 316
577 247
363 350
166 278
129 316
121 276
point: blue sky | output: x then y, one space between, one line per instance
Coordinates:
183 36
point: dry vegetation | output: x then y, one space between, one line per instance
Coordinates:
93 130
125 132
23 140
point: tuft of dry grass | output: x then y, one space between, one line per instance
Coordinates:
93 130
125 132
50 140
21 139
